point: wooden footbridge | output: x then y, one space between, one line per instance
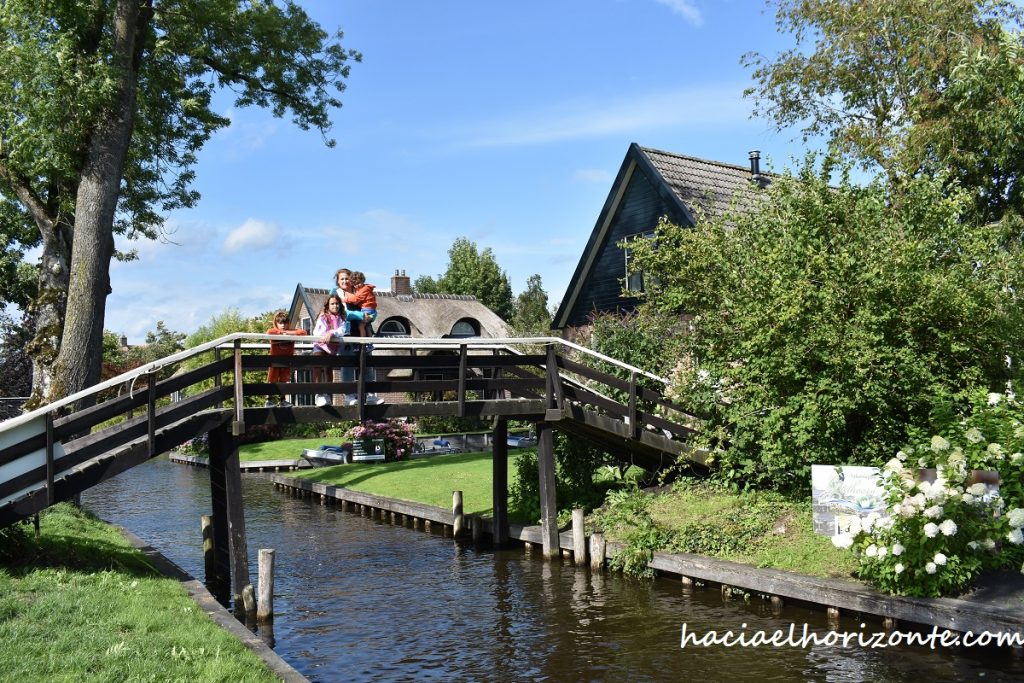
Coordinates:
219 388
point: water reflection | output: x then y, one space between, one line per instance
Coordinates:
361 599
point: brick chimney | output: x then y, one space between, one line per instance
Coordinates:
400 284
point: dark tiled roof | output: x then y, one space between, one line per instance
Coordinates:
710 185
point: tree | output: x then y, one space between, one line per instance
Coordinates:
472 272
910 87
835 318
103 109
15 365
530 314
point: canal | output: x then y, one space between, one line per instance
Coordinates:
359 599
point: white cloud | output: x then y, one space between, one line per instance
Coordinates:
592 175
685 9
631 114
252 234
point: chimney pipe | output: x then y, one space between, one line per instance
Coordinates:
755 164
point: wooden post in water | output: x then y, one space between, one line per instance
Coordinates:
209 556
477 526
499 483
548 502
458 523
597 550
218 575
265 605
248 602
579 538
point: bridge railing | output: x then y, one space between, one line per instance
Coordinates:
42 450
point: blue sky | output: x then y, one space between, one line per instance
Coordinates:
502 122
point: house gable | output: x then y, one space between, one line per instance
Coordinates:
651 184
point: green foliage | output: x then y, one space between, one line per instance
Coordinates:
832 318
228 321
450 424
14 544
530 314
576 464
15 365
906 86
472 272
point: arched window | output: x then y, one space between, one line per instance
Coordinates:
393 327
467 327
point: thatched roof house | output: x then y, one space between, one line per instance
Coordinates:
401 313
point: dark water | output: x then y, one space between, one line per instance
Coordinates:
358 599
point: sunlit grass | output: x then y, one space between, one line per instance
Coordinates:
423 480
80 604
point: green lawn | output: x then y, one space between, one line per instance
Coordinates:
423 480
81 604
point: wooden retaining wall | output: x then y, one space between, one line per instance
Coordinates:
836 595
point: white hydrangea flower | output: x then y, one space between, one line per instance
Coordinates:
1016 517
1016 456
948 528
842 540
919 500
989 544
994 398
933 512
897 549
930 568
939 559
882 551
931 530
974 435
898 568
901 456
967 498
939 444
894 465
922 461
871 550
978 489
973 545
1015 537
995 450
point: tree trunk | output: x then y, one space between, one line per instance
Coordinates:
47 309
79 358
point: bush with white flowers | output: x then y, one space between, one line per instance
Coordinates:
940 534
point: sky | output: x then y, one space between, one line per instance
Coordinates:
501 122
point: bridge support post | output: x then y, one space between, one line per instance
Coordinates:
548 503
499 479
230 552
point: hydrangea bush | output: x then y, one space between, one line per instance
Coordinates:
940 534
398 437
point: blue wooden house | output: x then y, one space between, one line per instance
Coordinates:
651 184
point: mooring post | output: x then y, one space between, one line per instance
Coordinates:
248 603
499 483
265 604
597 550
209 556
477 527
548 502
457 522
579 538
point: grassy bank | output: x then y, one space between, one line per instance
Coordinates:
761 529
423 480
81 604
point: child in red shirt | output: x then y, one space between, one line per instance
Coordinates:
281 348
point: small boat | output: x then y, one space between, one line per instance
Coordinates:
326 456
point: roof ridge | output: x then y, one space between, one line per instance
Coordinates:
723 164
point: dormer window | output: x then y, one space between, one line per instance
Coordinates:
467 327
393 327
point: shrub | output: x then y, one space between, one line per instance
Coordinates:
397 435
831 318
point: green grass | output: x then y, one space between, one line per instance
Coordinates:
761 529
423 480
81 604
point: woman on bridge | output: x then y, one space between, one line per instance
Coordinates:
330 330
